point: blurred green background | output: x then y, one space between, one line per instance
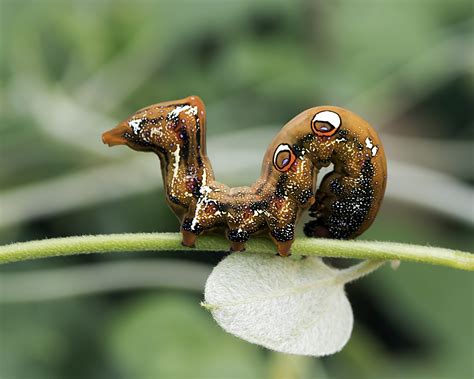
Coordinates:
72 69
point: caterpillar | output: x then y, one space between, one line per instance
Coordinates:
343 207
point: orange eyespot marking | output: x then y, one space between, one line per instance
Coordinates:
325 123
284 157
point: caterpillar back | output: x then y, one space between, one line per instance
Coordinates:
344 205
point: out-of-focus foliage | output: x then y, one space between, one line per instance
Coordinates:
72 69
184 343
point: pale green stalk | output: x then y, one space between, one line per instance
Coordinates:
359 270
172 242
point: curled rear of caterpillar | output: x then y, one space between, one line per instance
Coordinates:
343 207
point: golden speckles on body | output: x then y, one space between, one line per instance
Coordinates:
343 206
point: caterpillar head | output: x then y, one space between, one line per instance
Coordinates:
159 127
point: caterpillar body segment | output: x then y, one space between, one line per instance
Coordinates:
343 207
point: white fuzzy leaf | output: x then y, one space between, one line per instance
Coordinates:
288 305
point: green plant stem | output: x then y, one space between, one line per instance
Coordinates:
172 242
359 270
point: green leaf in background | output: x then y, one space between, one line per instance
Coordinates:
170 336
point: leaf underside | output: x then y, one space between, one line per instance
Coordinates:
295 306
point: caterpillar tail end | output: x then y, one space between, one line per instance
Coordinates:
315 229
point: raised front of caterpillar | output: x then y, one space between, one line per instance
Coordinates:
343 207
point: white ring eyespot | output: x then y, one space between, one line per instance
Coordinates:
283 157
325 123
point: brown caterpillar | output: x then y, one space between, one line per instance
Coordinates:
344 205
